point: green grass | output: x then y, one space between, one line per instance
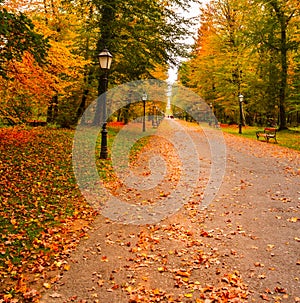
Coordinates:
287 138
105 166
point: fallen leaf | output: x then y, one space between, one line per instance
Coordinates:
47 285
55 295
188 295
182 273
265 297
293 219
67 267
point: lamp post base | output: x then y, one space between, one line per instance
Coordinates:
104 151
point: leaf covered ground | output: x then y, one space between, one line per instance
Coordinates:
243 248
41 208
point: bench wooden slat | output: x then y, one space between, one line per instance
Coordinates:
267 133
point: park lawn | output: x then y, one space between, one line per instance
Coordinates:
287 138
43 214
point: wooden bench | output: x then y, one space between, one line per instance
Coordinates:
268 133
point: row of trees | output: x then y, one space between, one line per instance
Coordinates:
49 51
248 47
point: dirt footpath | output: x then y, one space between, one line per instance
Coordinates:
244 247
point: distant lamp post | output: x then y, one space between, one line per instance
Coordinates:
211 114
144 99
241 100
105 59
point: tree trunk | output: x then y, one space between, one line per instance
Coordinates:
50 113
284 71
82 105
107 10
52 110
99 112
283 21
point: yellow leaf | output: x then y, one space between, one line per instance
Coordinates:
67 267
47 285
156 291
129 289
293 219
58 264
188 295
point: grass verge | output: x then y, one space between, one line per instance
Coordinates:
287 138
43 214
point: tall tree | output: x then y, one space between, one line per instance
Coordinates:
139 34
282 13
248 53
218 66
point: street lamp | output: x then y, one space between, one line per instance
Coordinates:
241 99
105 59
144 99
211 114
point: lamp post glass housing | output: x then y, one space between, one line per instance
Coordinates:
105 59
241 98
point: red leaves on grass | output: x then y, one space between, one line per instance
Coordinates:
43 214
15 136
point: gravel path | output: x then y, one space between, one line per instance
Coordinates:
242 247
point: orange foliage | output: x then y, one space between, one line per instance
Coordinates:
33 86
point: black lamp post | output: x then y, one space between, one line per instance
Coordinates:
241 99
144 99
211 114
105 59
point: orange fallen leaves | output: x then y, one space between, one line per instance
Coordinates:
40 202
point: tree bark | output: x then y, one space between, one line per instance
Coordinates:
283 21
107 10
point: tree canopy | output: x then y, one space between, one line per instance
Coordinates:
17 36
49 55
145 37
251 54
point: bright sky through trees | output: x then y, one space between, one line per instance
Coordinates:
193 13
